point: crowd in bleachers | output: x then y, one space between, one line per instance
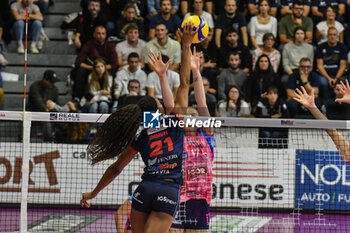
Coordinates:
256 54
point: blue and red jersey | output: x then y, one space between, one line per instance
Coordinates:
161 151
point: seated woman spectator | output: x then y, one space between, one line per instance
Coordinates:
198 9
35 24
330 21
261 24
268 48
271 106
234 106
294 51
318 8
262 78
99 87
129 16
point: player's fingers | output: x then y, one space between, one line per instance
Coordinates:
303 90
180 32
160 56
298 92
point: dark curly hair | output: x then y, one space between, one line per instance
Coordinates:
118 131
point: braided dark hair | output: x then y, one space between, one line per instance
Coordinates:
118 131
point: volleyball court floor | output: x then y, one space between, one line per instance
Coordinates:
48 220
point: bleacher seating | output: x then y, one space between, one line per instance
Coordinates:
56 54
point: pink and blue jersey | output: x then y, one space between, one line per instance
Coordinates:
198 157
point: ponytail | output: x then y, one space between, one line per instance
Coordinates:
118 131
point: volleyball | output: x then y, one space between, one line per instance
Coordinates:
200 23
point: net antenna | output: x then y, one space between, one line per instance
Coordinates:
25 144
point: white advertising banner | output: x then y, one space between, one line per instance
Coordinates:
60 173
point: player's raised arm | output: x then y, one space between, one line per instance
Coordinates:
309 102
161 69
187 35
199 92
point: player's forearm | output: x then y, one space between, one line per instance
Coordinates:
341 144
167 94
317 113
199 92
110 174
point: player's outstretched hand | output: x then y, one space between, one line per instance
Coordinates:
195 59
187 34
85 198
157 64
345 90
304 98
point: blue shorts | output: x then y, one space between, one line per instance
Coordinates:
192 214
160 195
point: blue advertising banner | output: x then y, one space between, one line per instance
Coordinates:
322 180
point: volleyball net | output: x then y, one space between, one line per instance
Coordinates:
269 175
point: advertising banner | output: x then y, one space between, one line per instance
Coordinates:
322 180
60 173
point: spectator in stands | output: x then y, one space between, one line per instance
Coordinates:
93 49
43 5
131 44
268 48
232 44
153 82
262 78
331 57
271 106
231 76
294 51
171 21
305 77
254 5
91 19
99 87
35 24
140 6
210 98
133 95
336 110
262 23
319 7
234 106
288 24
129 17
184 4
167 46
287 7
131 71
109 8
100 84
330 21
231 19
198 9
155 6
43 97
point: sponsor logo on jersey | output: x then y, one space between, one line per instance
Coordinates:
196 171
